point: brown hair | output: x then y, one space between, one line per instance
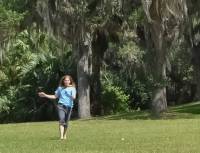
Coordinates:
61 83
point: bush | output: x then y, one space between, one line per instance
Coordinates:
140 95
4 107
114 99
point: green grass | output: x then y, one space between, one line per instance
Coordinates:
136 132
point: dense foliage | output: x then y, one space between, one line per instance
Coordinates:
43 40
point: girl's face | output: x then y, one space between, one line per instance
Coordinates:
66 81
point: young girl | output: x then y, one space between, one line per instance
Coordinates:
66 93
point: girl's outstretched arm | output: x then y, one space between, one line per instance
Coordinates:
42 94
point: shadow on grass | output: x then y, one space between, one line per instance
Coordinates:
54 138
186 111
137 115
192 108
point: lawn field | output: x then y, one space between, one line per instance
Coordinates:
130 133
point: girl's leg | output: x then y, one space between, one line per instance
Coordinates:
61 114
65 132
62 129
67 118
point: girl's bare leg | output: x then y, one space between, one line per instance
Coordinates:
61 131
65 133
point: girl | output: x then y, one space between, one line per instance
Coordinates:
66 93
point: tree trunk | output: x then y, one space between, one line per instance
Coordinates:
159 101
197 76
95 86
44 11
83 73
99 46
164 17
196 64
153 10
1 55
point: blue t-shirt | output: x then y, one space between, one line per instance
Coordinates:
65 95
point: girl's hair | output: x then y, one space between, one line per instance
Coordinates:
61 83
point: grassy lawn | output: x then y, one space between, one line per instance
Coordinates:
134 132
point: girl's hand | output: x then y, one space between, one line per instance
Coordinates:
41 94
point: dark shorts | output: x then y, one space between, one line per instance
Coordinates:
64 113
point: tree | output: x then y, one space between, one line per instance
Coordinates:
83 23
165 18
9 23
193 40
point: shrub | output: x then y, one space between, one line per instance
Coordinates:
114 99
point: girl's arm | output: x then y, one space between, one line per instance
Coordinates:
73 95
42 94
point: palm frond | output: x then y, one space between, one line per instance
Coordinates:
31 60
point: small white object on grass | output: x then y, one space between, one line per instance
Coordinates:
122 139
